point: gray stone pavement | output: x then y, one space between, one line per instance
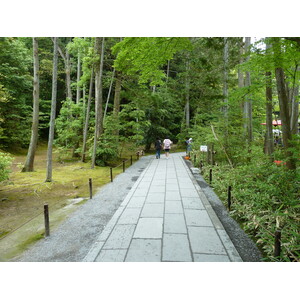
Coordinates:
165 217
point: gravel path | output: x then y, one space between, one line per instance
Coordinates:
71 241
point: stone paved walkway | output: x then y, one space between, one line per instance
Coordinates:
164 218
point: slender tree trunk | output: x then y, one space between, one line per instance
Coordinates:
108 96
28 167
78 78
225 79
66 58
117 100
101 87
68 75
187 93
295 111
283 104
248 102
87 118
269 139
53 111
98 97
241 82
285 117
97 92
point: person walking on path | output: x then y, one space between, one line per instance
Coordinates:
157 145
167 146
189 146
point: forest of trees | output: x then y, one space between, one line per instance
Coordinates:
89 97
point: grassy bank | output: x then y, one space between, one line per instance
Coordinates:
24 194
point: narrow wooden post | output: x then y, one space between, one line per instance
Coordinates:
195 160
229 197
91 188
111 175
131 160
123 165
277 249
210 176
46 217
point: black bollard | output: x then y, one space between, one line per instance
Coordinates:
131 160
111 175
46 217
210 176
229 197
277 248
91 188
123 166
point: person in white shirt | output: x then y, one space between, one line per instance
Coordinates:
167 146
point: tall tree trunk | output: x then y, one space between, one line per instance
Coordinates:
225 78
101 86
269 139
66 58
68 75
87 118
108 95
98 97
187 93
241 82
53 111
117 97
248 102
283 104
285 116
117 100
28 167
295 111
78 78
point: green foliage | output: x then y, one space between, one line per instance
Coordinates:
108 146
69 126
5 164
265 197
146 56
15 82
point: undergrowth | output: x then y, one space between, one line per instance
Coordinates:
265 198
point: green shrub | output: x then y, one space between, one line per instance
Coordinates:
5 164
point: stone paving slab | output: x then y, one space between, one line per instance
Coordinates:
117 255
174 223
165 217
153 210
144 250
197 217
173 207
149 228
210 258
205 240
130 216
176 248
120 237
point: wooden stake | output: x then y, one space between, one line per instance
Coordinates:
111 175
91 188
46 217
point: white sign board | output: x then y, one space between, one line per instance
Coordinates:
203 148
